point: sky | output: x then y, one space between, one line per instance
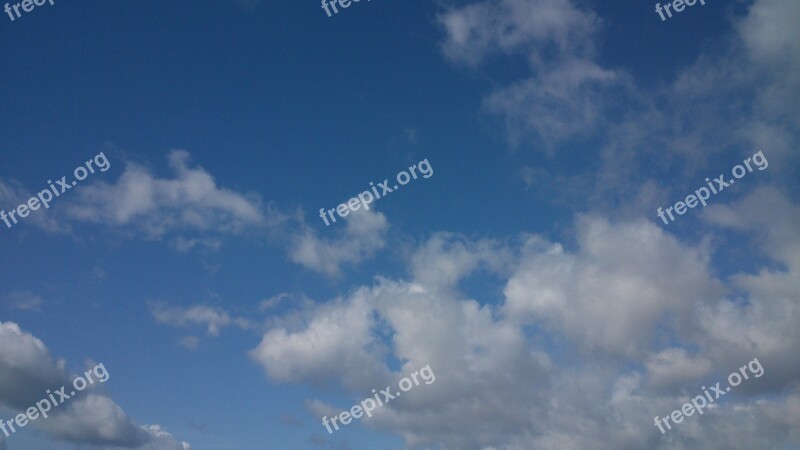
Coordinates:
534 273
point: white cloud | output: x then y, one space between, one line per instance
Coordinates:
334 340
194 212
446 258
24 301
675 367
274 301
26 367
770 31
13 194
363 235
568 100
189 201
477 30
90 418
184 245
587 347
622 273
676 131
764 323
567 93
93 419
214 319
190 342
469 350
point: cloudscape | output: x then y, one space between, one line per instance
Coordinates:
375 224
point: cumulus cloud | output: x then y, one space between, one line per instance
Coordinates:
764 322
446 258
591 341
622 273
193 212
675 367
26 366
191 200
620 322
363 235
27 370
772 39
469 350
337 339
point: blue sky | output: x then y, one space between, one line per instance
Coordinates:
530 271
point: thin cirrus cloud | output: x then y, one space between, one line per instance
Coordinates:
24 301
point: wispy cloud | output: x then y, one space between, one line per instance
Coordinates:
24 301
213 319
